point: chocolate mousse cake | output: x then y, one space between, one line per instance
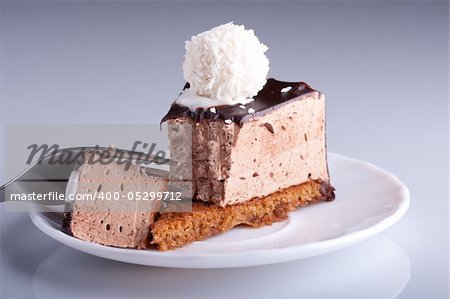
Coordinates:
103 212
249 166
248 150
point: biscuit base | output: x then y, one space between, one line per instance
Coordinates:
177 229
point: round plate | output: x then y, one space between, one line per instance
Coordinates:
368 200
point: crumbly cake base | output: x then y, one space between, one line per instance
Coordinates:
173 230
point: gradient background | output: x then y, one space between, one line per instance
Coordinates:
382 65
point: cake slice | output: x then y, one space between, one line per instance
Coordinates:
106 210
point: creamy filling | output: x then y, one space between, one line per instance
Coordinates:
109 219
273 151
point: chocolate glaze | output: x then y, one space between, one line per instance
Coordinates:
267 99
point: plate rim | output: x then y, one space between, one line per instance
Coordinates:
290 253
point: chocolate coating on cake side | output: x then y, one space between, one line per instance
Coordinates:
267 99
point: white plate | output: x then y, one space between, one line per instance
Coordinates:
368 200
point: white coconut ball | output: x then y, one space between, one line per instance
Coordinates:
227 63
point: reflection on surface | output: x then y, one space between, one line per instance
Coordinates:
23 248
377 268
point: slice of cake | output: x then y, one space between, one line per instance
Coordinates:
106 210
258 147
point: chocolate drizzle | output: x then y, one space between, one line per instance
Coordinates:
268 99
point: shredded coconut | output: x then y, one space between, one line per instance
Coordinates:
226 63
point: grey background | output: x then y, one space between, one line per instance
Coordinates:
382 65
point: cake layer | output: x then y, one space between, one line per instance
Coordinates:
174 230
253 155
109 214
